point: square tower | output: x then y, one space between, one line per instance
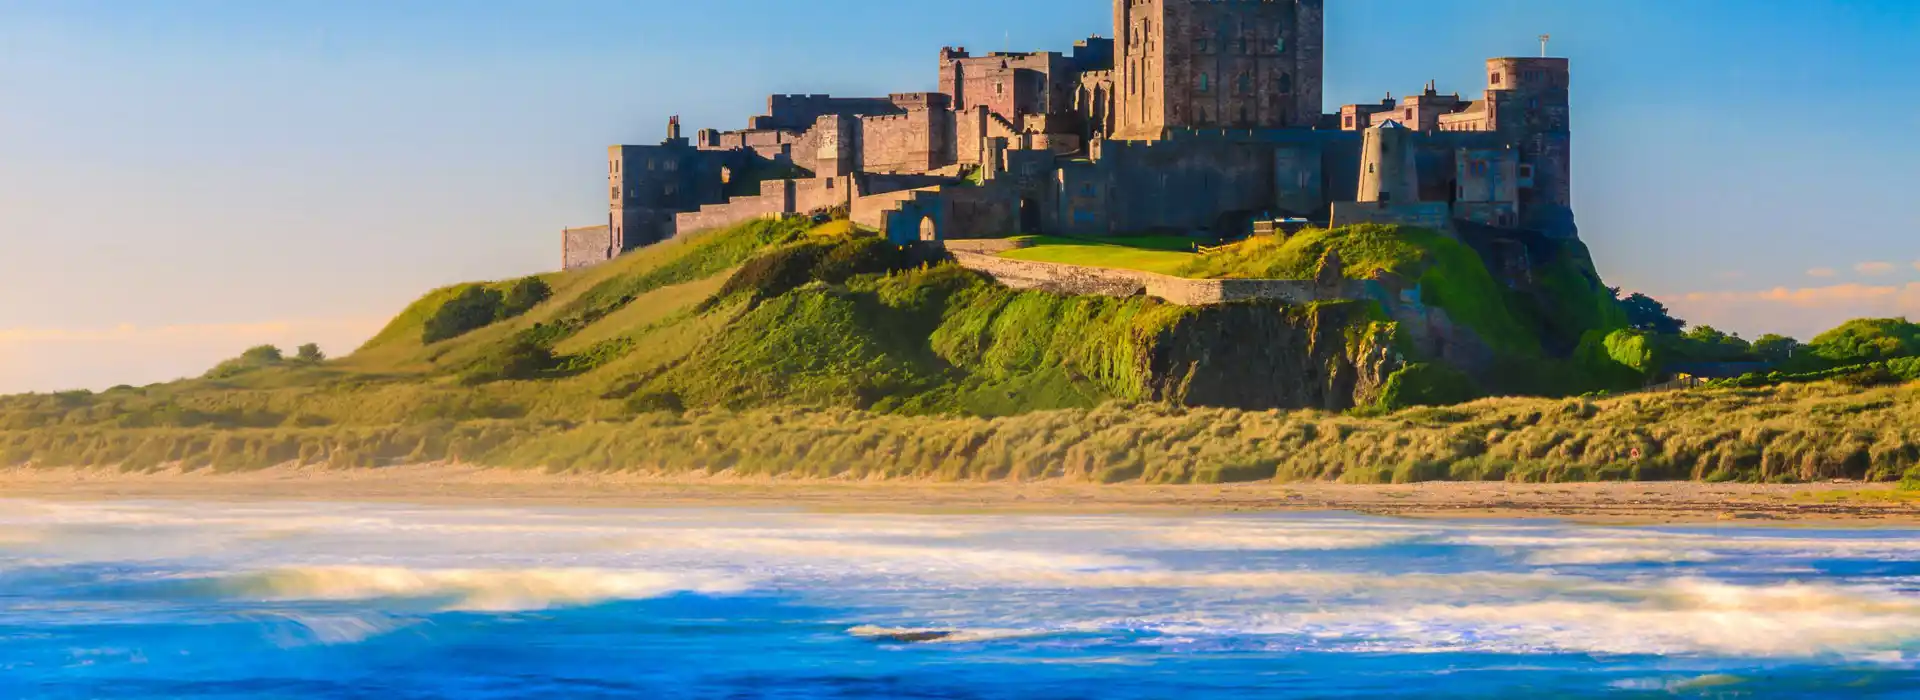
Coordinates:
1217 64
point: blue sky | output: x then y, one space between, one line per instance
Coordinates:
180 179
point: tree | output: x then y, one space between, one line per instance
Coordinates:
1776 348
262 355
1868 340
1706 343
475 307
309 354
1644 313
255 357
526 293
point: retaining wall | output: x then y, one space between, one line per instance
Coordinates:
1062 278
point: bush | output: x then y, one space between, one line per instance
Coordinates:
1868 340
474 308
309 354
520 358
656 402
832 262
1424 384
525 294
254 358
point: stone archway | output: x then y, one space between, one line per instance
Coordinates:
929 231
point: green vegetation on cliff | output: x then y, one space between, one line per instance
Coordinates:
785 347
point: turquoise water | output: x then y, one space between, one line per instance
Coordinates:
322 600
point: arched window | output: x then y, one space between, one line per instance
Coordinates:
1286 83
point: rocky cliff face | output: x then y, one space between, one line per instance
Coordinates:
1264 356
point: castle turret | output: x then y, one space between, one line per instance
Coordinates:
1388 174
1204 64
1529 108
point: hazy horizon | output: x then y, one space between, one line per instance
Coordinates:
182 180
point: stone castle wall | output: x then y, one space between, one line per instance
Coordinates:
1077 279
586 246
915 142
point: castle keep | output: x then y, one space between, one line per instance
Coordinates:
1198 116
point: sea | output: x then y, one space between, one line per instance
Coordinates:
153 599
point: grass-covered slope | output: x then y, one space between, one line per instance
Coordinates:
784 347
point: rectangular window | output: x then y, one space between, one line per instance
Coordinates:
1496 79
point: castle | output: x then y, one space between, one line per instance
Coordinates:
1198 116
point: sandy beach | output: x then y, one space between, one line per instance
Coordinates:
1662 502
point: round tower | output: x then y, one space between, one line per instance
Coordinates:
1387 171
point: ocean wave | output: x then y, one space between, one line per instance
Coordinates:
1304 582
982 559
474 590
1285 539
1683 616
1617 555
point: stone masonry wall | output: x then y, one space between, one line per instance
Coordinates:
585 246
776 197
914 142
1076 279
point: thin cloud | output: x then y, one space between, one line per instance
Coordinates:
52 359
195 332
1822 272
1875 268
1798 311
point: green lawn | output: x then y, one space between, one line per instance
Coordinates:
1163 254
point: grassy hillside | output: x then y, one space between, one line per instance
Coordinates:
785 347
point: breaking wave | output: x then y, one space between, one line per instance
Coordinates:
474 590
1682 616
1617 555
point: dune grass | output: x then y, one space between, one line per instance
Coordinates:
1797 433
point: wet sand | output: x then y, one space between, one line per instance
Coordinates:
1665 502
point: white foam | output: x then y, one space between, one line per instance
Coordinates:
968 558
1617 555
1682 616
491 590
1279 539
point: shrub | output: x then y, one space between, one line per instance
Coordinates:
309 354
519 358
1425 384
656 402
256 357
831 262
474 308
1868 340
526 293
